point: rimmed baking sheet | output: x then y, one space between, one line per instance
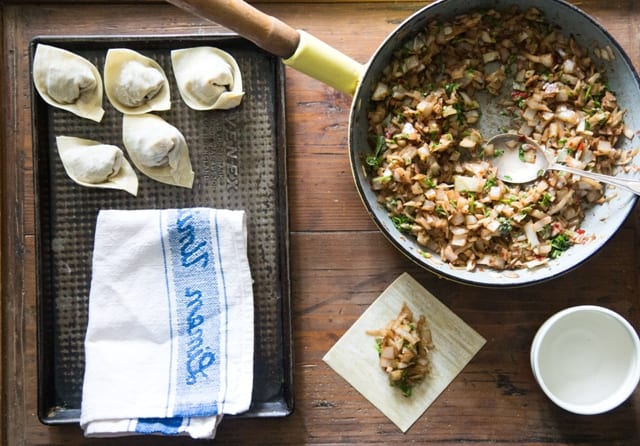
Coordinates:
239 159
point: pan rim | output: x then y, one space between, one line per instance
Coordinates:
481 278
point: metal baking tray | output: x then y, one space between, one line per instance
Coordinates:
239 159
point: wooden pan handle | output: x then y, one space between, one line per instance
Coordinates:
266 31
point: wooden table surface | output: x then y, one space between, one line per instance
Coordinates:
339 261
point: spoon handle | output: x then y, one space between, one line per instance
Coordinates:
625 183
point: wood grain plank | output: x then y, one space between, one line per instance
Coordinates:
3 378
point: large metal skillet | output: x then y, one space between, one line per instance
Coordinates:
305 53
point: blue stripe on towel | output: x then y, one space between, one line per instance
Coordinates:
197 322
165 426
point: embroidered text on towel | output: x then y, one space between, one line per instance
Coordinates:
191 252
199 358
199 295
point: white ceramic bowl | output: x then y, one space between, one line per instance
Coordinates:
586 359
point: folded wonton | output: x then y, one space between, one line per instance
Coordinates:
134 83
208 78
92 164
68 81
157 149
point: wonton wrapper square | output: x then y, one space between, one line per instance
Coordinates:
355 358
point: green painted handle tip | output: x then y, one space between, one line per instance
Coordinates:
326 64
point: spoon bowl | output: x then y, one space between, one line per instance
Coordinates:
519 159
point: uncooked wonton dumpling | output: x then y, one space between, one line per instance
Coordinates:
157 149
208 78
134 83
92 164
68 81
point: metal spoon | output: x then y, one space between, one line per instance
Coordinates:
520 159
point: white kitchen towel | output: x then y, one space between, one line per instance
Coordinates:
169 342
